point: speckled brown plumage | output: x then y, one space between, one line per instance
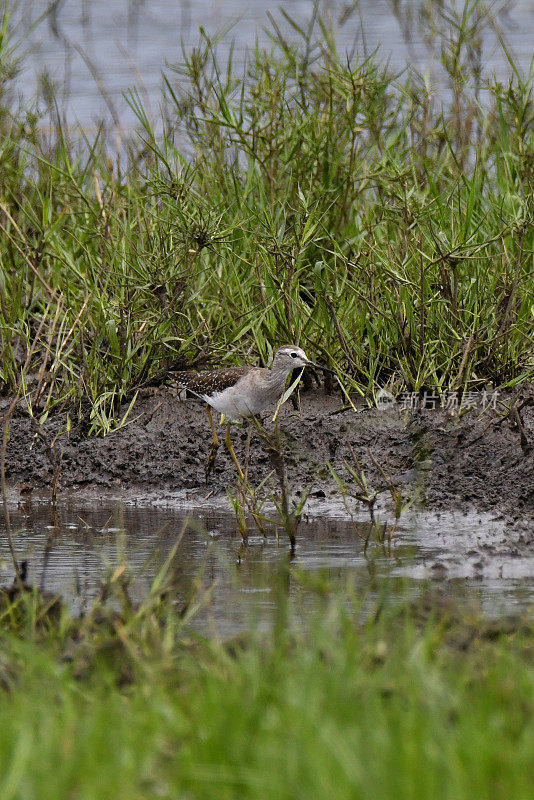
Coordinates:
208 381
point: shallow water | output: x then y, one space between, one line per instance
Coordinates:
99 49
71 549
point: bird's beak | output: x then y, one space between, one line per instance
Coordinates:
320 366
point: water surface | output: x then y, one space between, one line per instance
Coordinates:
72 548
95 50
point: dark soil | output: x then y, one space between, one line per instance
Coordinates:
483 461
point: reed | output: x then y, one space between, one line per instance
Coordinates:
308 198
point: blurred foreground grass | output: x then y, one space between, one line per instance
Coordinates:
403 701
311 198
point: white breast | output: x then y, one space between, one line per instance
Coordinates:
247 398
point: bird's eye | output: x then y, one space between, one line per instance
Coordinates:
293 355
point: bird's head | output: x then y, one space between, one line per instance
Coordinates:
291 357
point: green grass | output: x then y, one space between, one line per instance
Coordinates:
306 198
403 705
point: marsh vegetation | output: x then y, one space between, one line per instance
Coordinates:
309 198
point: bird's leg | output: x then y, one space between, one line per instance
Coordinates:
247 449
230 448
214 446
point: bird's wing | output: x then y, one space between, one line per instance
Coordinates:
208 382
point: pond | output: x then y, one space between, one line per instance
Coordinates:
71 548
95 51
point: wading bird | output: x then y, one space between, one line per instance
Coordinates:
242 392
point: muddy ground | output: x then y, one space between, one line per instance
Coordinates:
479 461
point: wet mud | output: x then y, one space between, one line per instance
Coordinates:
482 461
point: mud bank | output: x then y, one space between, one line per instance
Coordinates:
479 461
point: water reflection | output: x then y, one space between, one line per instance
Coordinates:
72 548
